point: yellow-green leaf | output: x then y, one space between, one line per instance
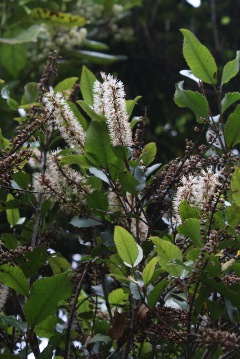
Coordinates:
199 58
149 271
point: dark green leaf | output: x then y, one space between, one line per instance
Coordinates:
44 297
235 185
35 260
13 322
13 58
233 215
231 69
31 93
86 83
128 182
191 229
232 128
155 294
229 99
199 58
186 211
131 104
13 277
13 214
97 200
149 153
193 100
98 57
84 222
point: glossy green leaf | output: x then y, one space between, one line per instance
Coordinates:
186 211
229 99
47 328
192 100
149 153
65 85
12 276
56 17
22 179
34 260
59 264
148 271
167 254
31 93
13 58
117 297
97 144
128 182
233 215
155 294
44 297
79 160
90 112
97 200
13 322
98 57
128 249
235 185
13 214
130 104
191 229
199 59
28 35
86 84
84 222
231 69
232 128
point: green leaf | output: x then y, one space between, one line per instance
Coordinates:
229 99
66 84
231 69
12 276
199 59
95 45
232 128
79 160
97 144
155 294
56 17
117 297
13 58
193 100
233 215
13 322
4 142
100 338
186 211
47 328
35 260
86 84
149 271
28 35
97 200
58 264
191 229
84 222
44 297
97 57
128 182
128 249
22 179
130 104
13 214
90 112
149 153
167 254
31 93
235 185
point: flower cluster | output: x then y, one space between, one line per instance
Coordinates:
201 191
69 126
62 183
109 101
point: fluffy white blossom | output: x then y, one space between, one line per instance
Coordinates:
69 126
109 101
199 191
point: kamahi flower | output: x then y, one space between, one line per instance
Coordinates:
109 101
200 191
69 126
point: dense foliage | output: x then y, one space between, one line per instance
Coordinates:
106 253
